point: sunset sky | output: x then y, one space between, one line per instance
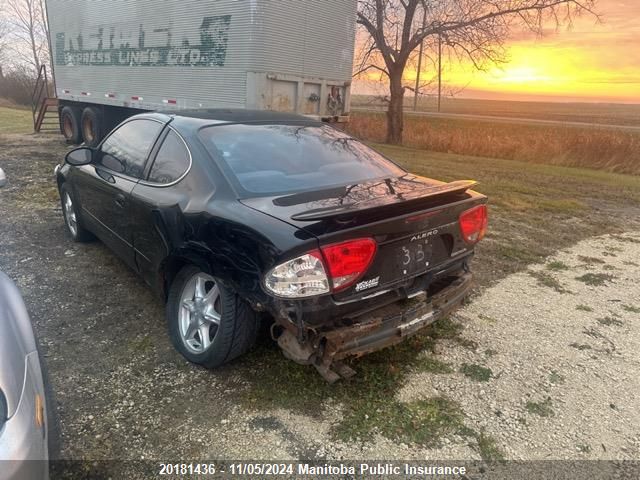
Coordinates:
591 62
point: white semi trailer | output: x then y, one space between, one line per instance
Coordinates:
115 58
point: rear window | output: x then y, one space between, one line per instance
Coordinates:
280 159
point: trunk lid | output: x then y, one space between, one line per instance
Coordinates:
413 219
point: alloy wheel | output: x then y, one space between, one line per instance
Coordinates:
70 214
200 312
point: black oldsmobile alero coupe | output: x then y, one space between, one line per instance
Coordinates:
228 214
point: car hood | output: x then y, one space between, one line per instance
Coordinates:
16 342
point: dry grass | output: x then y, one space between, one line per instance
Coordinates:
15 120
604 149
603 113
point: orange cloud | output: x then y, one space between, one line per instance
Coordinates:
598 61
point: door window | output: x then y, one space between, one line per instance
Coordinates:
126 150
172 161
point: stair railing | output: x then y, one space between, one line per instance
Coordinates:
40 92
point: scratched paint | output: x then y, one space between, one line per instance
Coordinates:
135 46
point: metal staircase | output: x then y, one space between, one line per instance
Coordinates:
44 108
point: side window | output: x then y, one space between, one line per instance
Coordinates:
171 162
126 150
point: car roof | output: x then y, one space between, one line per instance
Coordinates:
238 115
191 121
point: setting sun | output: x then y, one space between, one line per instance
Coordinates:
546 67
593 60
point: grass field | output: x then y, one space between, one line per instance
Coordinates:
604 113
15 120
606 149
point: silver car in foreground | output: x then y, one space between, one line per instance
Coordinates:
24 450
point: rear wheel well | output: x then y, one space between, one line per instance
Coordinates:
172 265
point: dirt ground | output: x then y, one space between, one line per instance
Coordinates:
542 364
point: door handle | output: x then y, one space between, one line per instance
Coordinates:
120 200
107 177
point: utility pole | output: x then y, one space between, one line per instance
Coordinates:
415 93
439 71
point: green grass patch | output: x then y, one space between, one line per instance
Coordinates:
557 266
556 378
38 196
447 329
433 365
476 372
15 120
549 281
631 308
488 448
621 238
519 254
595 279
590 260
423 422
583 448
609 320
584 308
489 352
543 409
487 318
142 345
494 173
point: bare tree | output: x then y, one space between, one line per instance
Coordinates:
4 45
475 29
28 31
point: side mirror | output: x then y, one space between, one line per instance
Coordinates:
3 178
79 156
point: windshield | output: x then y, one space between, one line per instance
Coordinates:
280 159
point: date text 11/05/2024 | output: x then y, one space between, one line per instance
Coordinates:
275 469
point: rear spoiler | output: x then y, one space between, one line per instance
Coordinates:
451 188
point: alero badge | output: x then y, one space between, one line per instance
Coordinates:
366 284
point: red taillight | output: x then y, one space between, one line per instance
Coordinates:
348 261
473 223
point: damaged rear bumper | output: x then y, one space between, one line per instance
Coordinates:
326 346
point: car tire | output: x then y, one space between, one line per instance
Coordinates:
70 125
236 329
91 126
72 219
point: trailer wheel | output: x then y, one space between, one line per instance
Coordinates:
70 125
91 126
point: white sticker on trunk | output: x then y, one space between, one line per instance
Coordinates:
364 285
